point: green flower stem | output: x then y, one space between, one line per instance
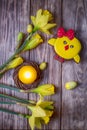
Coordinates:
9 87
15 113
18 50
25 91
19 100
2 71
24 44
29 91
17 90
2 102
11 58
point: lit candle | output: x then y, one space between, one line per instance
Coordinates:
27 74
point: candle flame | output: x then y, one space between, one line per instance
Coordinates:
28 75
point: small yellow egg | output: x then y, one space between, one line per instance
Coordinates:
27 74
71 85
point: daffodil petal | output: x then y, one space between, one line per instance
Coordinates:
38 122
45 31
33 19
46 12
49 26
49 113
46 119
46 104
37 111
38 15
42 22
32 122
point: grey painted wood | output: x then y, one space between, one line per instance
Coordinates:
74 115
70 106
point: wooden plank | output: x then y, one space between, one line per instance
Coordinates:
45 53
14 17
74 110
70 112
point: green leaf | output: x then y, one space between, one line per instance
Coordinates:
15 113
1 102
9 87
24 101
8 111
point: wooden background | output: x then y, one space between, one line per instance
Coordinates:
71 106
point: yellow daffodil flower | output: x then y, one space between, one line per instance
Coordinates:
36 121
33 42
37 112
41 21
40 112
44 90
47 106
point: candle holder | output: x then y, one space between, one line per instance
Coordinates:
21 85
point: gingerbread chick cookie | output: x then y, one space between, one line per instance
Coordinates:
66 46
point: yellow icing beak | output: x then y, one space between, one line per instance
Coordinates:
52 41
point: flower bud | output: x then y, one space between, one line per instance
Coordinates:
44 90
43 65
20 36
29 28
33 42
14 63
70 85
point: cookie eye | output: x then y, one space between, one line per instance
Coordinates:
64 42
71 46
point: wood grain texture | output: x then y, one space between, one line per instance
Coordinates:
74 115
70 106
